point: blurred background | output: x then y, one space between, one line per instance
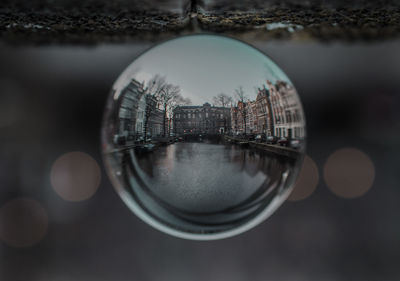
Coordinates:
61 219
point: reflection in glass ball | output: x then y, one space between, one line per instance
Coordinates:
203 137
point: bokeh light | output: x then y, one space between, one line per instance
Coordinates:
307 180
75 176
23 222
349 173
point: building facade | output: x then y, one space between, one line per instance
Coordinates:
129 109
264 112
156 123
239 118
204 119
235 120
287 111
276 111
138 115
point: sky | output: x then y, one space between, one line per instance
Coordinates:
204 66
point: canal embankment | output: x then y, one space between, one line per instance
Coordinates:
271 148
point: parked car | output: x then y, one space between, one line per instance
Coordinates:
295 143
283 141
272 139
260 138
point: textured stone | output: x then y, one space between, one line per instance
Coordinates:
90 21
346 20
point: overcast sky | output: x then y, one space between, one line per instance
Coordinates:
204 66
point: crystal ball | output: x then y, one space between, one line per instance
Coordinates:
203 136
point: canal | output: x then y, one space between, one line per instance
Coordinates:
206 186
209 177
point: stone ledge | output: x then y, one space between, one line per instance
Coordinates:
88 21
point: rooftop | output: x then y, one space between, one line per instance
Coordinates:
199 106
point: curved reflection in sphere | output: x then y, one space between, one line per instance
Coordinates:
203 137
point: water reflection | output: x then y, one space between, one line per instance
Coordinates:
205 186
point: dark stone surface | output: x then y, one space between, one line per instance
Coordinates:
323 20
89 21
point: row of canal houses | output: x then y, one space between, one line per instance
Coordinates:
276 111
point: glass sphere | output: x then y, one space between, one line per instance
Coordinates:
203 136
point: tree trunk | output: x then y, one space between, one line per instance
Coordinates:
165 120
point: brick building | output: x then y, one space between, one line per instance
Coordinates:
264 112
276 111
204 119
238 118
235 123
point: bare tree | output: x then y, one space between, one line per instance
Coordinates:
242 100
162 94
167 97
156 84
153 89
222 100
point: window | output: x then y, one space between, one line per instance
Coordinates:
139 127
297 114
206 114
288 116
277 119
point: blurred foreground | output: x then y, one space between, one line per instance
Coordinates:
52 101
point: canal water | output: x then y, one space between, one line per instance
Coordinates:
208 177
206 186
